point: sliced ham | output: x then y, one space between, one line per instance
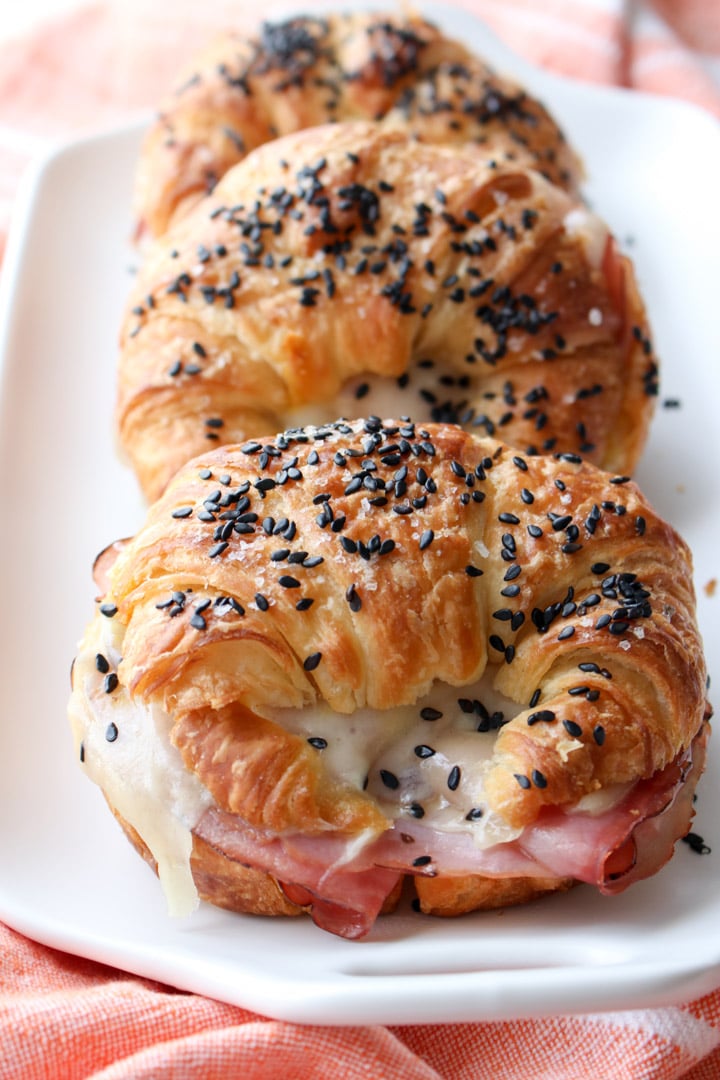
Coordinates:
311 870
631 841
344 881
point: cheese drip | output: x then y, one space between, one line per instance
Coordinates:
126 750
423 761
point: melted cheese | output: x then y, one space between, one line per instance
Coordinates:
385 396
428 760
140 771
368 748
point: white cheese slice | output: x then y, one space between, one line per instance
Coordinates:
126 750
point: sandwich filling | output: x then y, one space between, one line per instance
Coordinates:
423 764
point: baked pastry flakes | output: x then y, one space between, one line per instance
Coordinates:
398 70
344 270
354 654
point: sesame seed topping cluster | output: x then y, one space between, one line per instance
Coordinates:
412 636
338 266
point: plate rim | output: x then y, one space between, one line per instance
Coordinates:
667 978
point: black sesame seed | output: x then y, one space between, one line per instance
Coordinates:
428 713
426 539
353 598
572 728
473 571
317 742
262 602
304 604
542 716
101 664
538 779
197 621
389 779
416 810
523 781
454 778
110 682
108 610
599 734
312 661
696 843
111 732
422 860
423 751
288 582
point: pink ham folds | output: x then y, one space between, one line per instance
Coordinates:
344 883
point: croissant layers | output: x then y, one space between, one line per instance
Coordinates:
400 71
372 652
345 270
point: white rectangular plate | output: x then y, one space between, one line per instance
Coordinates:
67 876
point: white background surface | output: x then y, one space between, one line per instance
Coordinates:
69 877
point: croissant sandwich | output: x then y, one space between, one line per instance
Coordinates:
398 70
371 652
344 270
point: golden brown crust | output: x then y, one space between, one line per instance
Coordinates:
221 881
371 256
277 782
242 91
606 583
452 896
559 577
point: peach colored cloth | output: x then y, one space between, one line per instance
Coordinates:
62 1017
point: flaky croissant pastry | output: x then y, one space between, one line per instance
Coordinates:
401 70
353 654
344 270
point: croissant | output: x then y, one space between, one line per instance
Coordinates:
344 269
241 92
368 652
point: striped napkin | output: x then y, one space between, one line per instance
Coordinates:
64 1017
